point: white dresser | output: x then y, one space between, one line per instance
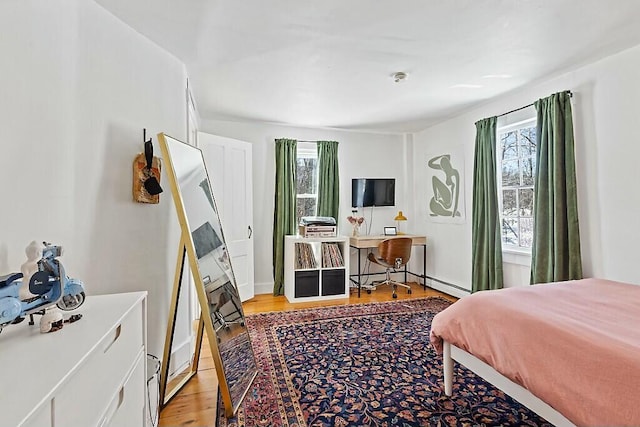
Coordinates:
89 373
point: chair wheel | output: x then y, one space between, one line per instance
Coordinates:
368 291
408 291
395 296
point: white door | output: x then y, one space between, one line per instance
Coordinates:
229 165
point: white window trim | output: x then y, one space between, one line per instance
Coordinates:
511 256
307 150
512 126
516 251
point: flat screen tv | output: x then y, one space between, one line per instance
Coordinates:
373 192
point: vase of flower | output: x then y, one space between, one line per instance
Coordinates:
356 222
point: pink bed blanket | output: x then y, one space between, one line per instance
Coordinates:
575 345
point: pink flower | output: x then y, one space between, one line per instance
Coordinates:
355 220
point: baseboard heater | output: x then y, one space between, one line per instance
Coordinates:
435 279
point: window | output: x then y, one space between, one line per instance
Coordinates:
307 177
516 176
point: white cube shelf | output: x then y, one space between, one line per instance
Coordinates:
316 268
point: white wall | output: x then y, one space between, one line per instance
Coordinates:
606 107
78 87
360 154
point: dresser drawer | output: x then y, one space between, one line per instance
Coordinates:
88 392
41 417
127 408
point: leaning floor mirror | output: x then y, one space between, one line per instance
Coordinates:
204 246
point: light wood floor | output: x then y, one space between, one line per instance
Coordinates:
195 404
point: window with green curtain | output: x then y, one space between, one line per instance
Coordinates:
284 212
516 156
485 232
555 253
306 179
328 179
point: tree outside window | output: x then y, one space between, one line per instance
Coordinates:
307 180
516 170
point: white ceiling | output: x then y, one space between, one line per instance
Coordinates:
329 63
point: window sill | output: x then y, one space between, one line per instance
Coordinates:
516 256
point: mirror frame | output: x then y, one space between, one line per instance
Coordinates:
165 395
205 324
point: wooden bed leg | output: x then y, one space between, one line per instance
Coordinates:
447 368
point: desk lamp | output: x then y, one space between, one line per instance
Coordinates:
399 218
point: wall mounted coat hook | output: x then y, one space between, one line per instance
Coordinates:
146 174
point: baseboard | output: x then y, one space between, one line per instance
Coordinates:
449 290
267 288
263 288
181 355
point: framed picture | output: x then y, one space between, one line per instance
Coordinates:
390 231
445 172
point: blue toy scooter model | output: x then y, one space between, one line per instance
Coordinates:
49 284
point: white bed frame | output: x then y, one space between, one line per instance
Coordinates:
519 393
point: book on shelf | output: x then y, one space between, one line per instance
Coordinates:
331 255
304 256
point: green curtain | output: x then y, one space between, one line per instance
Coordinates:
555 254
328 179
284 212
485 233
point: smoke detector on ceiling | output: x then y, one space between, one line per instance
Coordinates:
399 76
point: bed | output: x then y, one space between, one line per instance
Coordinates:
569 351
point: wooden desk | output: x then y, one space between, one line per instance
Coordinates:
369 242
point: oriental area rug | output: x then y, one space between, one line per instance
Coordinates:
363 365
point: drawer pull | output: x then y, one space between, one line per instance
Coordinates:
113 410
115 338
121 397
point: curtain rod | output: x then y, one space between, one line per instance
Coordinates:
297 140
303 140
517 109
529 105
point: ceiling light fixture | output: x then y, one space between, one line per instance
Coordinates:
399 76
